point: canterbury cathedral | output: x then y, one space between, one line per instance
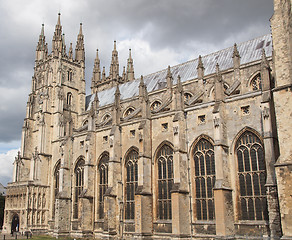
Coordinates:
200 150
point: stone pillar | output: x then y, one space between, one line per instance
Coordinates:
268 117
224 214
179 195
143 197
86 197
111 216
63 198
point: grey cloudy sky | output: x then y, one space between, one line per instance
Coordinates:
160 33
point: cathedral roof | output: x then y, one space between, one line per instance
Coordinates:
249 51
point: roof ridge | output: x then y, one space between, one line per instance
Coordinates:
203 56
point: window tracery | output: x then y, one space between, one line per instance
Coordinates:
129 111
131 183
165 182
187 96
79 182
256 82
251 177
156 104
204 179
103 183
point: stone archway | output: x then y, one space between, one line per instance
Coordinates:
15 223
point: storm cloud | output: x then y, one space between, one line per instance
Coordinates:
160 33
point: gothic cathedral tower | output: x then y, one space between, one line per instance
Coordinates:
56 100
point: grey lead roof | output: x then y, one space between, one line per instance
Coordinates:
249 51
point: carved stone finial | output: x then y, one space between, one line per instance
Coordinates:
235 51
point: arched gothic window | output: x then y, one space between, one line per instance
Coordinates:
204 179
70 73
131 183
103 182
155 105
165 181
187 96
56 184
79 182
256 82
69 98
129 111
252 177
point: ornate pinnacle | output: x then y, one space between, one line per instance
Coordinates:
235 51
264 62
168 72
200 63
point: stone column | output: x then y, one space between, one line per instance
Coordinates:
224 214
111 216
63 198
268 117
179 195
143 197
86 197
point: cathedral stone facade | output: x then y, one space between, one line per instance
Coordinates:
200 150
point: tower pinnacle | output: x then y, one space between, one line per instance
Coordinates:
130 68
114 68
57 38
41 50
96 77
79 50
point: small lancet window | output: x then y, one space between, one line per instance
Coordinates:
56 184
256 83
70 74
69 99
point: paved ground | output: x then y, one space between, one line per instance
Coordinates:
9 236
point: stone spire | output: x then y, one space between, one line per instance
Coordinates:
124 74
96 72
236 57
218 88
79 50
265 72
42 47
117 107
71 52
63 45
57 38
103 74
264 62
114 68
169 78
179 95
200 68
144 99
130 68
